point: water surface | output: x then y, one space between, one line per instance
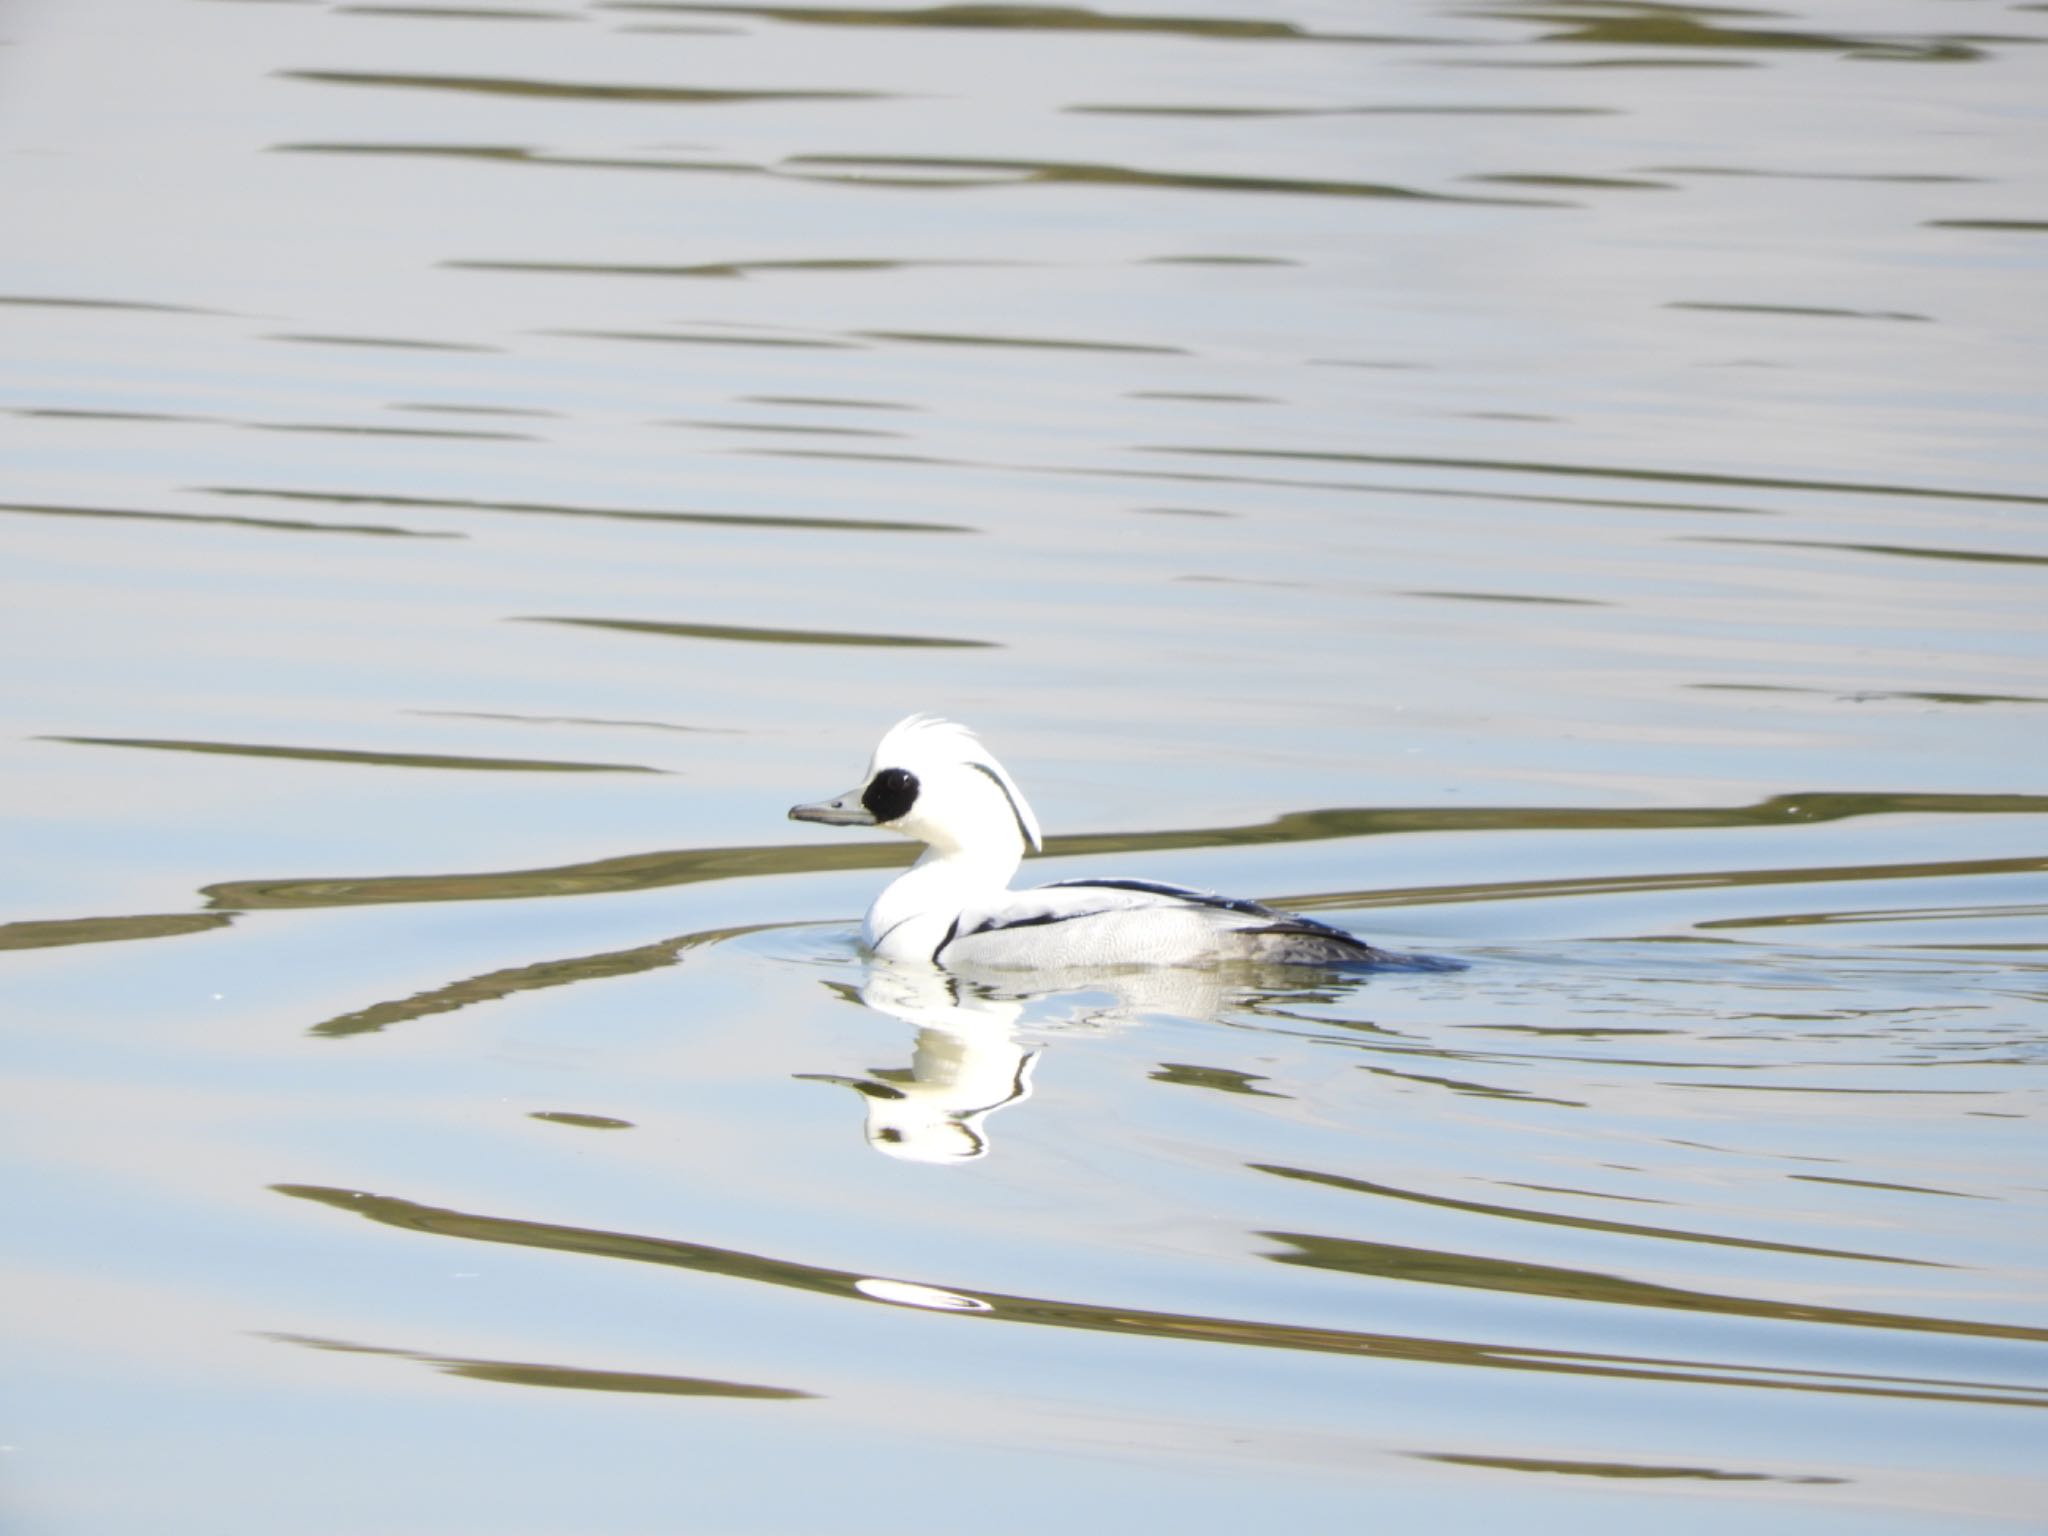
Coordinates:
1554 486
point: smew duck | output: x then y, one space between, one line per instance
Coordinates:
933 781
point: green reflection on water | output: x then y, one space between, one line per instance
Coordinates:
751 635
271 524
1023 18
1889 914
1430 1266
1864 695
649 871
347 429
1648 25
342 755
714 339
1901 551
593 720
1607 885
629 872
1902 1189
1586 183
735 1264
137 306
71 413
395 343
108 930
1510 597
515 154
1405 492
654 871
1935 696
575 1378
1474 1090
1608 472
525 978
493 85
508 152
1221 1079
831 403
559 509
1811 311
1587 1223
795 429
1909 178
453 13
720 269
1617 1469
1057 344
1068 172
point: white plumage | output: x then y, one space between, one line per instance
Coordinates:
933 781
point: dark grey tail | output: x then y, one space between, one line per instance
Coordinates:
1297 940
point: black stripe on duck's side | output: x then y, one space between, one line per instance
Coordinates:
1043 919
1035 920
883 937
1246 930
1000 925
1178 892
1339 943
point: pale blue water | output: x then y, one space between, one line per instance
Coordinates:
1553 487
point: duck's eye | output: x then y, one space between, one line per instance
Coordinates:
890 794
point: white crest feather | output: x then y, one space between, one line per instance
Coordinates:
929 738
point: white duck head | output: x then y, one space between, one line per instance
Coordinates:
933 781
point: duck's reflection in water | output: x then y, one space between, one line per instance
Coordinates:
965 1064
968 1060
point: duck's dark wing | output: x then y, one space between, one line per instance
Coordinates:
1172 893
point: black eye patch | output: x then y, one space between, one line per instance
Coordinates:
890 794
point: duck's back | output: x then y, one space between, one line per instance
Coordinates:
1139 922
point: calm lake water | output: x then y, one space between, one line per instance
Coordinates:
1554 485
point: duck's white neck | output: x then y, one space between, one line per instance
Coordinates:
915 914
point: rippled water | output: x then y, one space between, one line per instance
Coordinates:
1555 486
